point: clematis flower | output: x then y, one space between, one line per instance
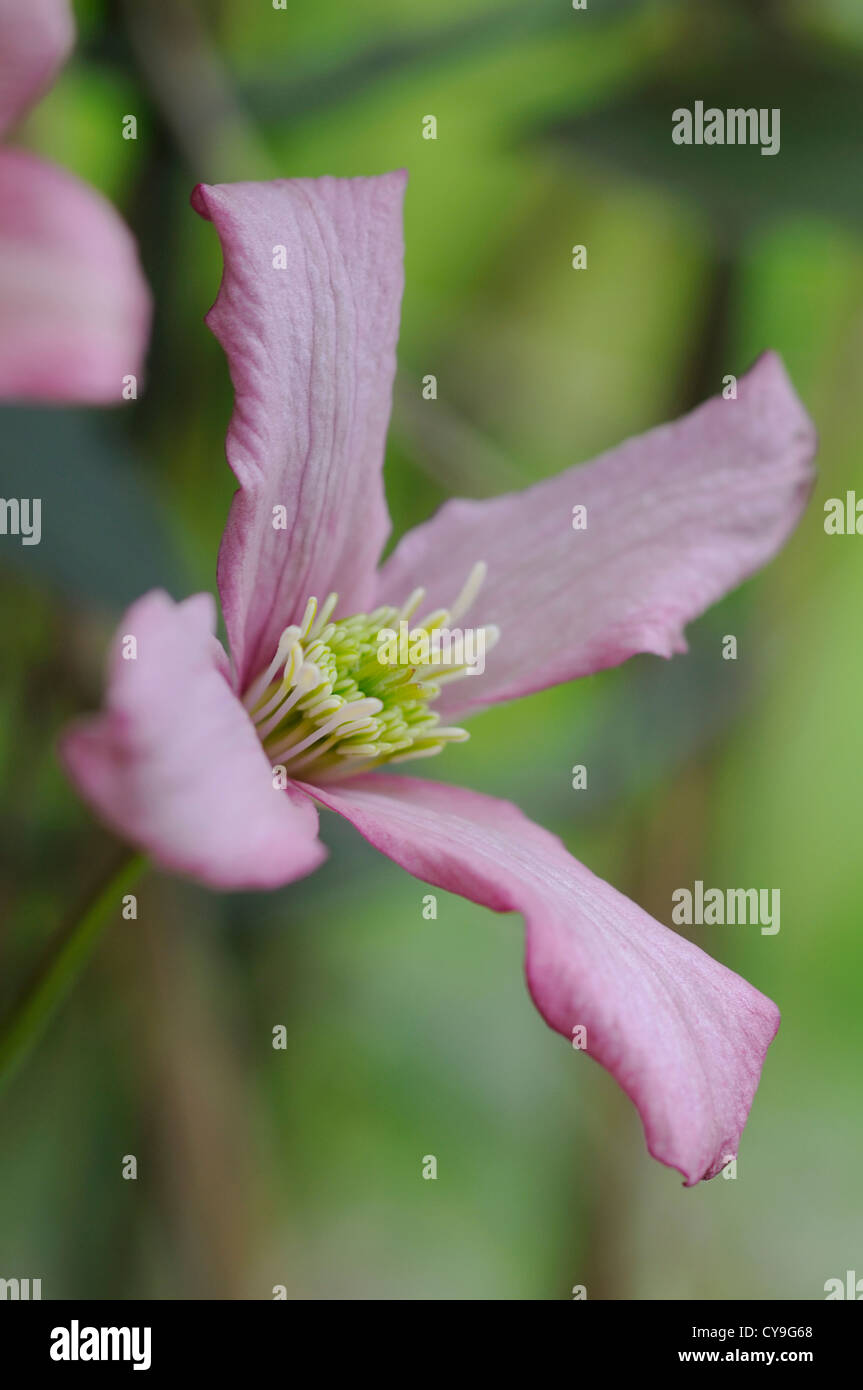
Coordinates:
217 767
74 306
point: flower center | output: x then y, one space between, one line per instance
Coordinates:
345 696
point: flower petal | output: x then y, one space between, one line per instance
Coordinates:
684 1036
308 314
35 39
675 519
174 765
74 306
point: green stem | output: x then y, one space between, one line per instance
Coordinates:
65 959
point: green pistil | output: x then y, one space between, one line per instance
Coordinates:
328 707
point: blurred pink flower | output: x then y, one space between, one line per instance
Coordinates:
181 761
74 306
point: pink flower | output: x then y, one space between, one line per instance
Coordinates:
181 761
74 307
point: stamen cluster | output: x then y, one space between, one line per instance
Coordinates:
327 707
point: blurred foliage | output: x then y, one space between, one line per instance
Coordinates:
409 1037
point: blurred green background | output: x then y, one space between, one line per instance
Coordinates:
408 1037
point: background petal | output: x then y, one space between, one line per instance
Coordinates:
174 765
675 519
684 1036
35 39
74 305
308 314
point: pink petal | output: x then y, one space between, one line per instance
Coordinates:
675 519
683 1036
35 39
74 306
174 764
311 349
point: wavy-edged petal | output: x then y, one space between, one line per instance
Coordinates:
36 37
74 305
173 763
684 1036
675 519
308 314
